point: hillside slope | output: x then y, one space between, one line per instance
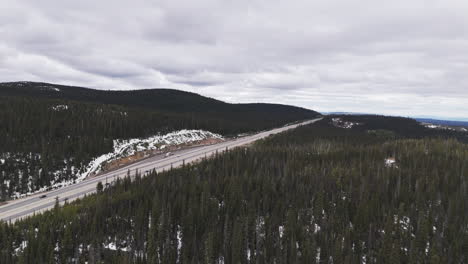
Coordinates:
167 100
50 133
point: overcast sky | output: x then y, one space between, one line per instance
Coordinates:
399 57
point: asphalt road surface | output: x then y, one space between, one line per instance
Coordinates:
17 209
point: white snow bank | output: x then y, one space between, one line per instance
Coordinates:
125 148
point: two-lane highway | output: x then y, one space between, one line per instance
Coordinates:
40 202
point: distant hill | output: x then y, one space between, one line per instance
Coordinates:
164 100
398 127
443 122
426 119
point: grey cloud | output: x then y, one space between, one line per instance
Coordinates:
199 83
392 57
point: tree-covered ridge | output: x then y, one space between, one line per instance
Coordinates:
318 194
395 127
243 117
49 133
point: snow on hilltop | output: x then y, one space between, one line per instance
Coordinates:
125 148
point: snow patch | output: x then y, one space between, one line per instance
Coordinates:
113 246
404 222
391 163
21 248
51 88
338 122
281 231
60 107
260 227
433 126
316 228
179 243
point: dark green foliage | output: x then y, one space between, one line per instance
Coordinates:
99 187
317 189
50 136
202 112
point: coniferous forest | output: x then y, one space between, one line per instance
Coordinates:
347 189
49 133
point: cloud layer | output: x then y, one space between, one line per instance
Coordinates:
392 57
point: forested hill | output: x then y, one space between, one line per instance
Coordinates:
50 133
164 100
346 189
156 99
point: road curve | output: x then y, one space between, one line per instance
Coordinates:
20 208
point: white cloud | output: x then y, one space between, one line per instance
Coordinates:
392 57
